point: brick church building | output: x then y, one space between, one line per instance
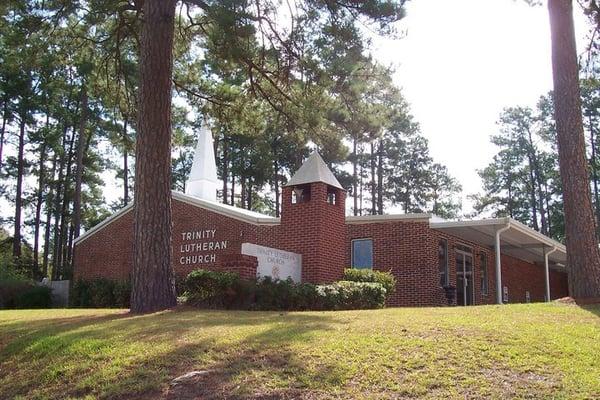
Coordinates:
487 261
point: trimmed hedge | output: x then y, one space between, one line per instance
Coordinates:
210 289
35 297
350 295
275 295
16 291
385 279
100 293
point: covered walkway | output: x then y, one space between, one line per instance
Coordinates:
513 238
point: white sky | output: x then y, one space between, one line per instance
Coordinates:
460 63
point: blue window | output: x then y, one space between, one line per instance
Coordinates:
362 253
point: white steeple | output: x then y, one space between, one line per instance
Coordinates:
202 182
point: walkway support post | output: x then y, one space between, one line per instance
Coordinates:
499 264
547 271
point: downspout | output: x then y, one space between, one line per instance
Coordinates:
499 263
547 271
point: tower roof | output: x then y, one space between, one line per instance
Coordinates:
312 170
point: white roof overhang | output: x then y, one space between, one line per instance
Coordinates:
518 240
370 219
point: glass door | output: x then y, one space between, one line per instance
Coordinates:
464 278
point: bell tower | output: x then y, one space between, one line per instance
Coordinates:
313 221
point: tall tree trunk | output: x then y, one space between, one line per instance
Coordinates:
583 257
594 176
360 183
548 212
380 178
232 202
373 181
49 203
81 145
125 164
38 205
225 164
19 189
533 199
153 283
510 200
355 175
243 192
64 211
68 274
3 129
249 194
535 165
276 187
57 201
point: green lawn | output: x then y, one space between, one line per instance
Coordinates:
516 351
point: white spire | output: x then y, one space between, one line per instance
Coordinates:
202 182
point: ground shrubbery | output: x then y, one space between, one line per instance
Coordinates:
385 279
19 292
359 289
100 293
211 289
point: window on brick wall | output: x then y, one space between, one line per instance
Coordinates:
443 262
362 253
484 275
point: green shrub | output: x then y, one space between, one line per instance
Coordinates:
14 287
284 295
210 289
122 294
216 289
350 295
100 293
385 279
35 297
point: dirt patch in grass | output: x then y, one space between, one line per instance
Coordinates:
217 385
515 384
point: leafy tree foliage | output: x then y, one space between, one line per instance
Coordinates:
523 180
271 81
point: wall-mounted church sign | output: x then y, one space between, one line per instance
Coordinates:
200 247
278 264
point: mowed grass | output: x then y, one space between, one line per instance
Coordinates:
515 351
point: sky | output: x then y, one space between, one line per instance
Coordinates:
460 63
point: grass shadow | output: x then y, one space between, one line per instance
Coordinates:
103 369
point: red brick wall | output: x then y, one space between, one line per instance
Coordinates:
108 252
316 230
243 264
520 276
407 250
